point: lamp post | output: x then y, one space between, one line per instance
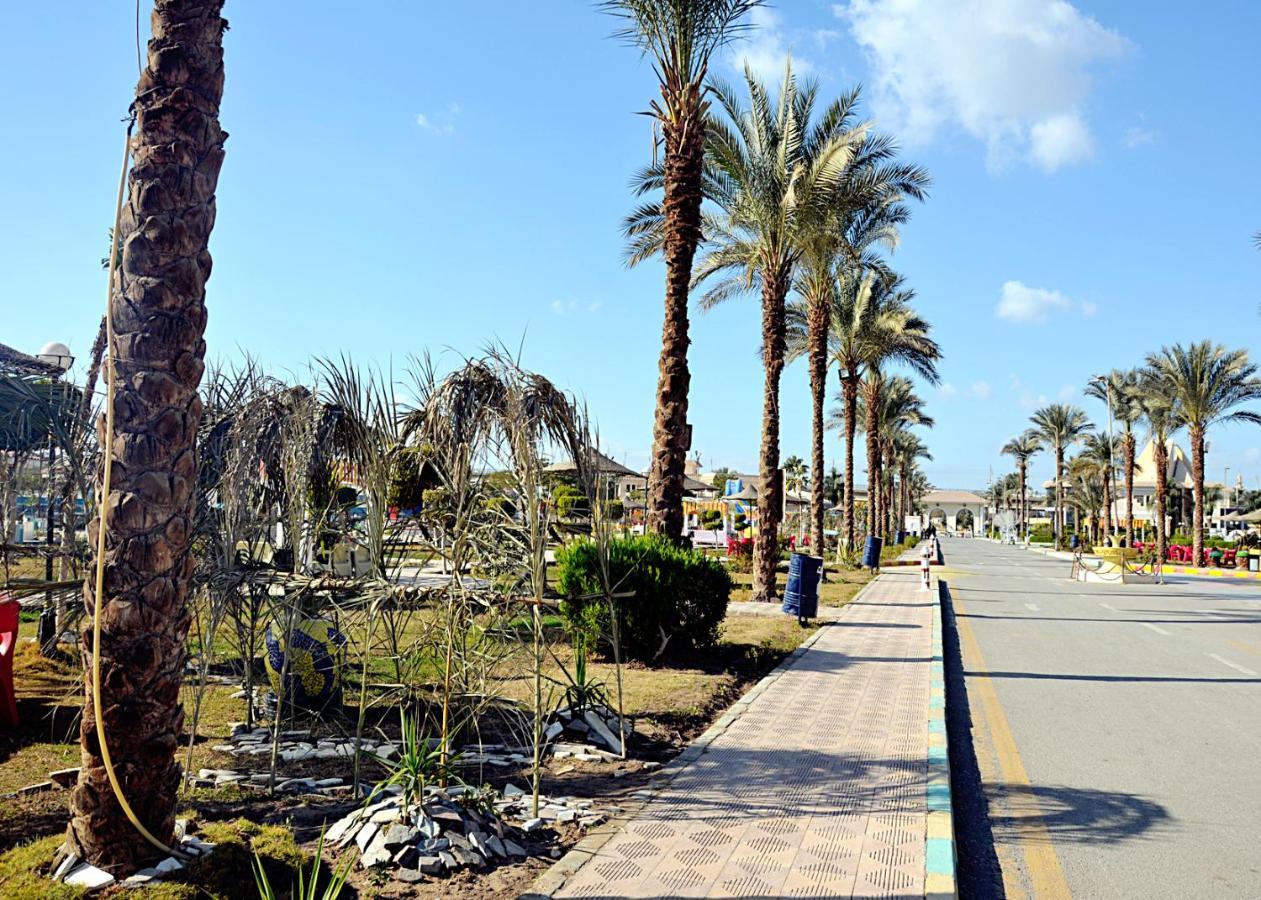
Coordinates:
1107 389
57 356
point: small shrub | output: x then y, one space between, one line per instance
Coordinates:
679 596
614 510
711 519
569 501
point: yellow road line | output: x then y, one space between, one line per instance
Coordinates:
1046 877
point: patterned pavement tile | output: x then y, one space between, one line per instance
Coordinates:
816 790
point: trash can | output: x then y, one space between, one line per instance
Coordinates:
801 597
901 537
1254 560
871 553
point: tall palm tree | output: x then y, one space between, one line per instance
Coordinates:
1118 390
680 36
1087 478
796 472
1160 412
1099 451
888 404
1022 449
159 317
867 213
1060 425
872 321
908 450
774 176
1208 382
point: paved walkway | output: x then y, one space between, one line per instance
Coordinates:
815 788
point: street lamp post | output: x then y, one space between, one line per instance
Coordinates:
58 356
1107 389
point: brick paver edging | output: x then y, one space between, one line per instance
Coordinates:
939 850
551 881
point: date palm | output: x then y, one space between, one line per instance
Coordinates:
1022 449
871 322
1209 383
1099 451
868 212
908 450
159 316
1160 412
1118 390
1059 426
888 404
774 174
680 37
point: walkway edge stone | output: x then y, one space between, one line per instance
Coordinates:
939 850
554 878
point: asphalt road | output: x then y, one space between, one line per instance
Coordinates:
1116 728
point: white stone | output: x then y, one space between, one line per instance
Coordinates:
71 860
365 836
511 790
553 731
89 877
170 864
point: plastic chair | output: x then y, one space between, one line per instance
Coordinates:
9 614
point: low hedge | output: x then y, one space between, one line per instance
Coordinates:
679 596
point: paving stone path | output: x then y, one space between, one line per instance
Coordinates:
816 789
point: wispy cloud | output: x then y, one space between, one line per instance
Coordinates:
444 126
1030 305
1015 74
569 307
982 390
947 391
1138 136
767 47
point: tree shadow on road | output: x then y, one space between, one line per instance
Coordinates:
1081 815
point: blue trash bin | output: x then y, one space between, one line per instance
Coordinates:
801 597
871 553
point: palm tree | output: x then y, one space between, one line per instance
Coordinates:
867 212
1208 382
796 472
1099 450
1118 390
774 176
1161 414
908 450
1089 485
1022 449
888 404
1060 425
680 36
156 360
872 321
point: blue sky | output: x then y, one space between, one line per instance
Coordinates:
439 176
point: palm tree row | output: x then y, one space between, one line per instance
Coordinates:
798 199
1193 386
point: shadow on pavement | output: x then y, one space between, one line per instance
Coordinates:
1082 815
979 875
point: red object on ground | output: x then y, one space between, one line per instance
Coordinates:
9 611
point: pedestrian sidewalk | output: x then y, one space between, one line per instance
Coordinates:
817 784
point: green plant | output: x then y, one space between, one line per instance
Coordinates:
614 510
420 762
569 501
583 692
711 519
306 889
664 595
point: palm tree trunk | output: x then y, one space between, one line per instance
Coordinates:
671 434
1059 504
1107 507
1023 503
818 394
1128 449
871 396
1196 433
159 319
771 495
1161 460
849 399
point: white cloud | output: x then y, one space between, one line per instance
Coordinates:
1136 136
1060 141
1021 303
443 128
1011 73
765 48
947 390
982 390
1088 309
566 307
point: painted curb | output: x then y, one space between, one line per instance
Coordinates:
939 847
553 879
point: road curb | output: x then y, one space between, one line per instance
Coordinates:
939 849
554 878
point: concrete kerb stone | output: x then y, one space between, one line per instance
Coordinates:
552 880
939 850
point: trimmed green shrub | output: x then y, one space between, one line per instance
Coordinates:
569 501
679 596
614 510
711 519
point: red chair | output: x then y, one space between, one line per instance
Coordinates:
9 614
1228 558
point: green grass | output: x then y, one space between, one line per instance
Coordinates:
838 590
